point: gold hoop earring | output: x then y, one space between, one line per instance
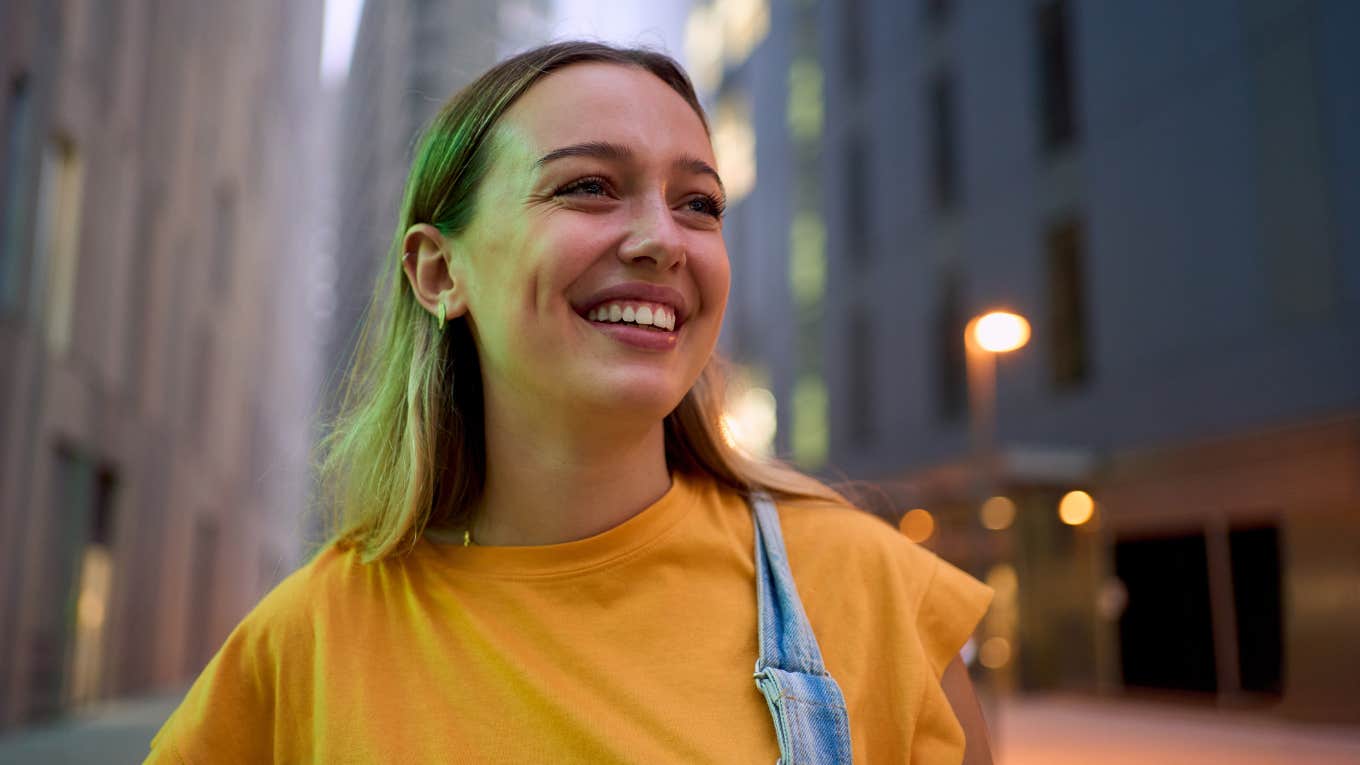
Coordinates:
441 315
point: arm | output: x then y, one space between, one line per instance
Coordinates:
958 688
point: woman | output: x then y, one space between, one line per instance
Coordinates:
543 551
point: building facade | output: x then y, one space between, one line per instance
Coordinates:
1168 192
156 344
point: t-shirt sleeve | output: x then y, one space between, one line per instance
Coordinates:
228 713
952 605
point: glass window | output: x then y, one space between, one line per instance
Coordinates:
858 213
807 260
18 114
951 360
943 160
57 240
1067 304
809 421
805 110
860 349
734 143
852 42
1056 107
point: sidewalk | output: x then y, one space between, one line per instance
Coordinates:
1071 730
116 732
1034 730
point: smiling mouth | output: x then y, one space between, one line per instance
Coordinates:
655 317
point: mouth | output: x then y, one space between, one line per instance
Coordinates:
638 324
640 315
653 317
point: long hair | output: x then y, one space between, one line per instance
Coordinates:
406 450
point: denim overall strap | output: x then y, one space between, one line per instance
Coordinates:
810 719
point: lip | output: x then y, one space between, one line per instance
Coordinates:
637 337
641 292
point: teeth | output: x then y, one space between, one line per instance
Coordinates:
657 316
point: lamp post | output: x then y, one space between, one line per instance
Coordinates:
986 336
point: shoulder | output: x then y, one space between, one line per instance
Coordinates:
264 659
843 537
332 574
860 567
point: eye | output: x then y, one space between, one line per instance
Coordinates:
592 186
706 205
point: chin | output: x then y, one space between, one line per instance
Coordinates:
644 399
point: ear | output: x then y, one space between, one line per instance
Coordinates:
428 261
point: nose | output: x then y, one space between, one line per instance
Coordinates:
654 235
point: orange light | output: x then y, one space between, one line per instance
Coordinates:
918 525
997 513
995 652
1000 331
1076 508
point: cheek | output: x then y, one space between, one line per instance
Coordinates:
714 274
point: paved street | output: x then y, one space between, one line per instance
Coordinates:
1080 731
114 733
1052 730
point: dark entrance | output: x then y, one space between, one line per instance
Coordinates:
1166 632
1256 600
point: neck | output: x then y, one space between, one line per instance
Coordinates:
551 481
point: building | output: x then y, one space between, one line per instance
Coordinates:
157 380
1168 191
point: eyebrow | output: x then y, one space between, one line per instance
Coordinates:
618 152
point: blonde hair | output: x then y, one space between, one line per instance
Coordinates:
406 450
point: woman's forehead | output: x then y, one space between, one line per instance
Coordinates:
607 104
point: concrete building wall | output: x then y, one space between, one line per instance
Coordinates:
1208 176
157 387
1216 234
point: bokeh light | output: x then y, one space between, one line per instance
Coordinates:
997 513
1076 508
1003 579
918 524
1000 331
749 422
995 653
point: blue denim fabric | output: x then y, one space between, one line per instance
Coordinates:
809 712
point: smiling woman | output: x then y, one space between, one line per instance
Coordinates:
541 547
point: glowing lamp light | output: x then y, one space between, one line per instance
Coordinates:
1000 331
749 422
918 524
1076 508
995 653
997 513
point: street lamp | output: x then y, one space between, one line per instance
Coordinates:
986 336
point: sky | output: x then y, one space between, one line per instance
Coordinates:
653 23
337 43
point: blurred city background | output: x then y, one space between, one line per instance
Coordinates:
1162 484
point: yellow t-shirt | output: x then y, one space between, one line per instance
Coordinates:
635 645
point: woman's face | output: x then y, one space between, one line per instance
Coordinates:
600 205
